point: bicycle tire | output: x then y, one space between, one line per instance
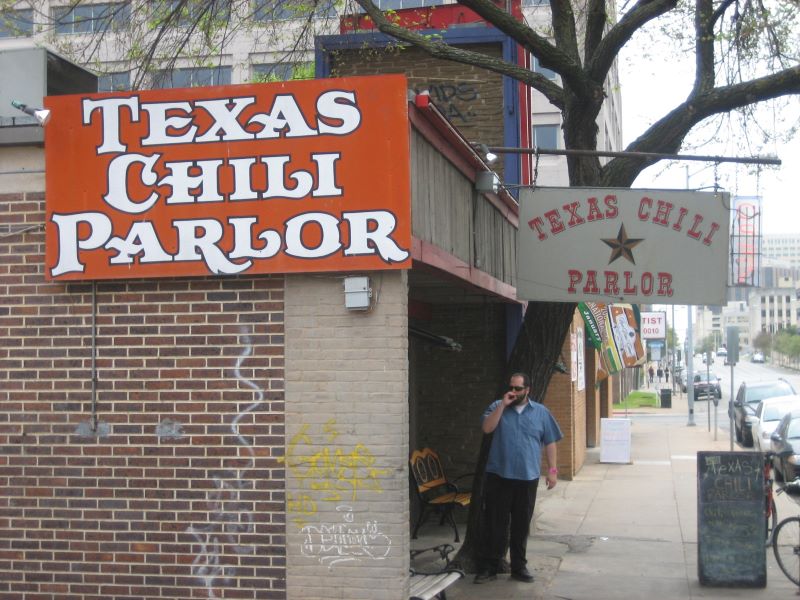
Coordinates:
786 546
772 519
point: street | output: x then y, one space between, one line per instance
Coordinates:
742 371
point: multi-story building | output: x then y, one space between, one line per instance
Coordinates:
781 249
773 309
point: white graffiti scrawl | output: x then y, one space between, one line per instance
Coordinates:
229 517
333 543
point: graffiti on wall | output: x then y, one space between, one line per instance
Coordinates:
454 99
335 474
229 517
347 541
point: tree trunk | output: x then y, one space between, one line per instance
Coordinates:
536 351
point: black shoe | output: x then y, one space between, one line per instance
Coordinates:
522 574
484 576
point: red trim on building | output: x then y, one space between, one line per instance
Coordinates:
426 254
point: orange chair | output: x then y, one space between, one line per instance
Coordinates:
435 492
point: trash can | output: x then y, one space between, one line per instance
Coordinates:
666 398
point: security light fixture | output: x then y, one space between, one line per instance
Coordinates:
42 115
488 155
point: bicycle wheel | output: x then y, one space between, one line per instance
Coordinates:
786 545
772 519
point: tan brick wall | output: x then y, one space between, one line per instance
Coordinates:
347 440
178 491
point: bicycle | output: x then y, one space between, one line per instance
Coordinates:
770 511
786 537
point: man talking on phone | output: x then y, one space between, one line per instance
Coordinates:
521 428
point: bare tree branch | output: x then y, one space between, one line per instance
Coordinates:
704 47
666 135
596 21
563 19
444 51
644 11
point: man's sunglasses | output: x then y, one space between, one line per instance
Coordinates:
516 388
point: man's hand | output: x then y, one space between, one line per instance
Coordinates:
552 480
509 398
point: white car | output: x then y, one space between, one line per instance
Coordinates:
757 357
768 414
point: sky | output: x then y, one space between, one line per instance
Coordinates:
654 79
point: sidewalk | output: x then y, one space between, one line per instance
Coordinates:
628 531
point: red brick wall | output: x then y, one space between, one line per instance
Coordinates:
179 490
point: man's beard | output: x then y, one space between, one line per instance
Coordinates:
519 400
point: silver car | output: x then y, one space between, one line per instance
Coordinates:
769 413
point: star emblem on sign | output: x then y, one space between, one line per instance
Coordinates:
622 245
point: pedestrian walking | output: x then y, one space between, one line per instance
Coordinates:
651 373
521 429
666 374
660 374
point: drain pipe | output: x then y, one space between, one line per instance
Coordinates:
94 356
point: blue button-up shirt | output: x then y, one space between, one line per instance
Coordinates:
517 442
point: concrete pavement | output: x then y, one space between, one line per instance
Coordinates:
625 531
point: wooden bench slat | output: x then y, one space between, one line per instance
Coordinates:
426 587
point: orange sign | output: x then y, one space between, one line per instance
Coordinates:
263 178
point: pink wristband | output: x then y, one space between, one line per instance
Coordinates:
552 470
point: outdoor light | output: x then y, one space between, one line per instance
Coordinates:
42 115
490 156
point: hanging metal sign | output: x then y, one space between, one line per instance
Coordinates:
623 245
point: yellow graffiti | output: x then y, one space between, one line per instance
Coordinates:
328 474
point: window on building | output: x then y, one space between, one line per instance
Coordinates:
16 23
194 77
545 136
182 13
544 71
265 72
282 10
90 18
114 82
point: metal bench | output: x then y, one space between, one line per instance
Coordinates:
430 585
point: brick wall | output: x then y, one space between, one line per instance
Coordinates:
177 489
347 440
568 405
470 97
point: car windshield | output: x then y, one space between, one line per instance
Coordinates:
774 412
705 377
794 429
758 393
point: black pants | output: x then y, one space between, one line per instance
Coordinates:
508 502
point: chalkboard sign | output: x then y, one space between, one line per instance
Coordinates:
731 527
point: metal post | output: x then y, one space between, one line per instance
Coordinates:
674 347
690 366
708 396
730 408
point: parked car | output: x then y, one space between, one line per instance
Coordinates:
757 357
785 442
747 398
769 413
706 384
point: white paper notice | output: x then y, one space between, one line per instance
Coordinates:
615 441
